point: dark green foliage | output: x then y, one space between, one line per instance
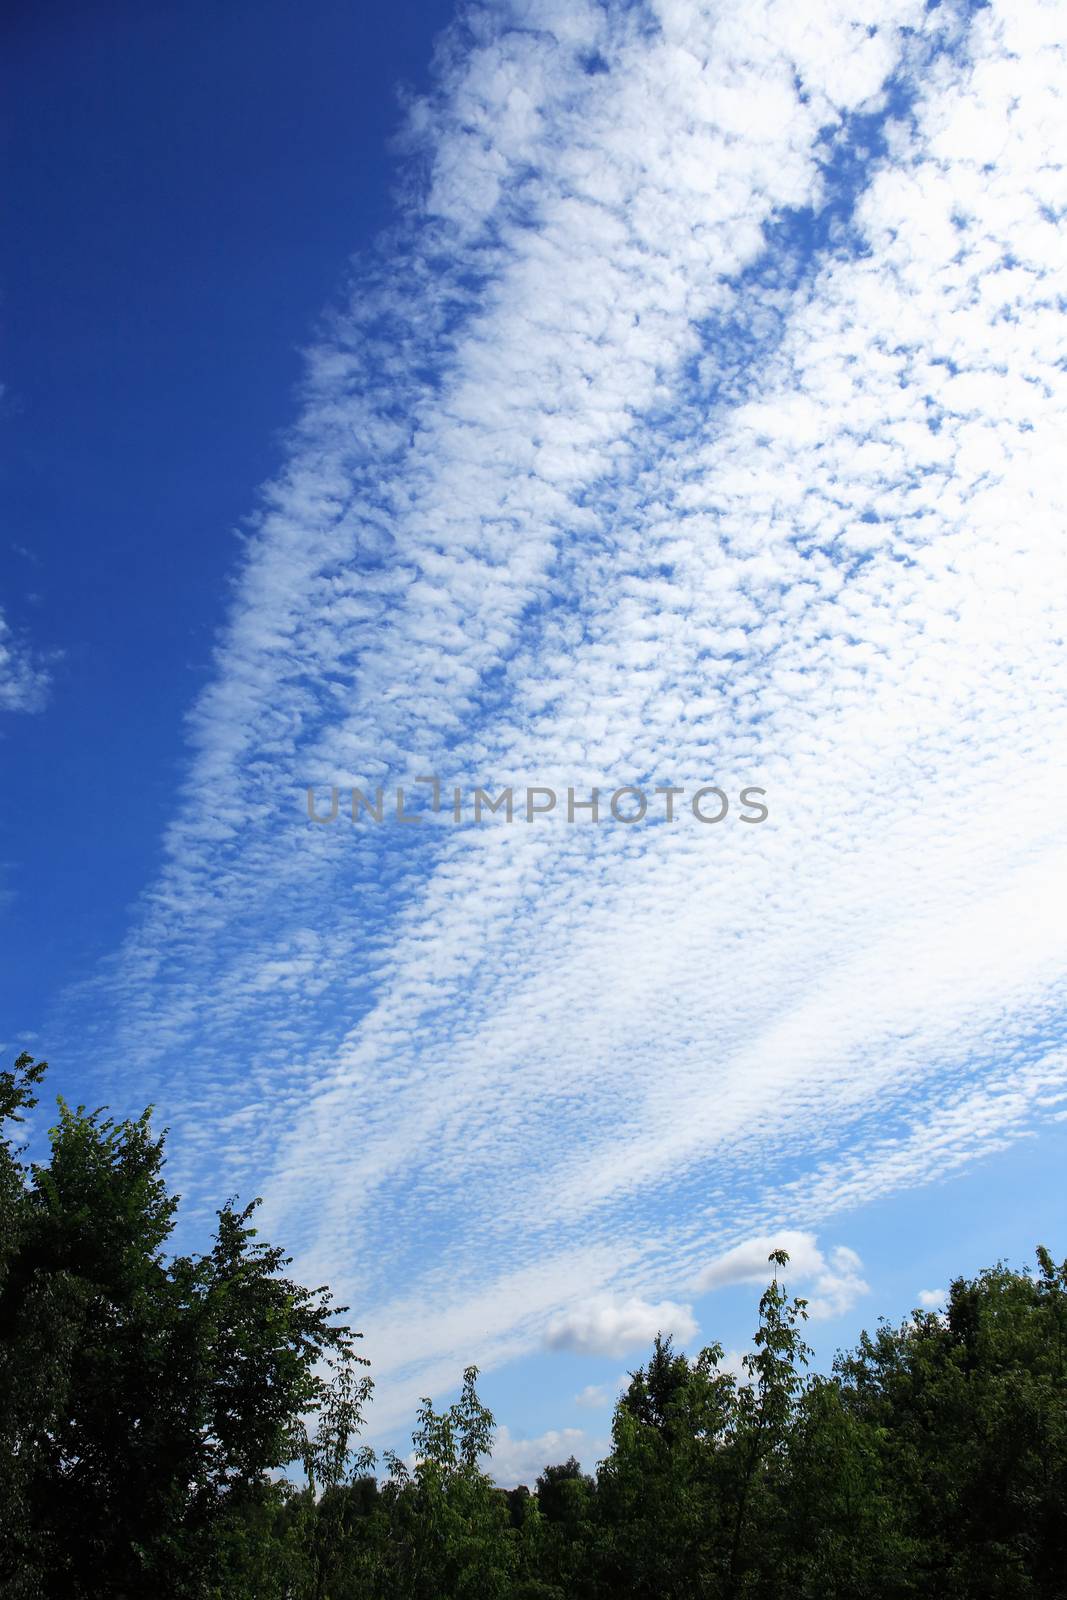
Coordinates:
147 1404
449 1529
143 1402
687 1494
969 1416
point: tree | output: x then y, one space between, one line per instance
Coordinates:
658 1492
970 1415
560 1532
30 1371
687 1495
142 1399
450 1535
348 1494
834 1533
759 1431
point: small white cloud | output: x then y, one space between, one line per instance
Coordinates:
603 1326
834 1282
733 1362
517 1461
932 1298
838 1285
593 1397
748 1262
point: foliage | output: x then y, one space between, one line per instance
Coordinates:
449 1530
143 1401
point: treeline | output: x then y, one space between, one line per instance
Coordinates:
150 1403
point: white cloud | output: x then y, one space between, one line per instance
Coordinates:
516 1461
933 1299
748 1262
832 1282
839 1285
594 1397
733 1362
603 1326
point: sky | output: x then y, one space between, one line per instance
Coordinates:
663 397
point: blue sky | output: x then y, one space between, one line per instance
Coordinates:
574 396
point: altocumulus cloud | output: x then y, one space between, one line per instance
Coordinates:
698 421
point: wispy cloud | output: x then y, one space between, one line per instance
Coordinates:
699 423
24 680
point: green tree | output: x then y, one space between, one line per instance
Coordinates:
659 1491
142 1399
341 1550
758 1437
561 1533
149 1404
450 1533
687 1497
833 1525
970 1414
31 1372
